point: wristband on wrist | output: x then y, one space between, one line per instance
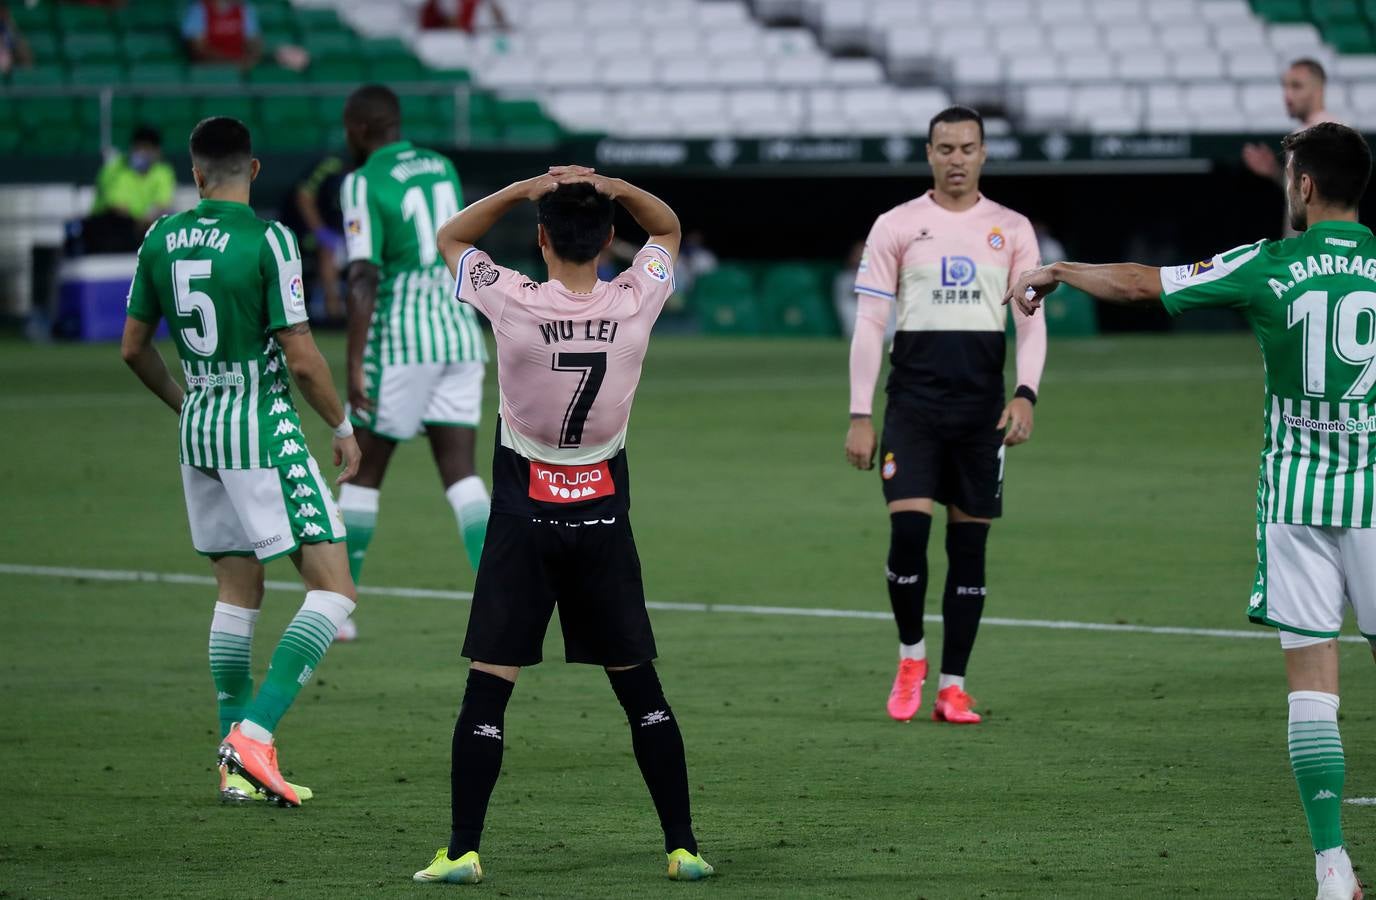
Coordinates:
854 416
344 429
1026 393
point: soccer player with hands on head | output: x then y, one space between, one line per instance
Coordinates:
569 357
229 286
945 258
1311 302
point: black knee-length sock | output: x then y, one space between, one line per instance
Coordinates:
963 603
658 746
476 760
907 572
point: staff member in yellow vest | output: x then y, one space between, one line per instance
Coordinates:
132 190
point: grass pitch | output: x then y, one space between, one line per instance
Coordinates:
1109 764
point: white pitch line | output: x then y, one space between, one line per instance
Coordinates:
1361 801
736 608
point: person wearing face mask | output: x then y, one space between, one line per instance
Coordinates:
132 190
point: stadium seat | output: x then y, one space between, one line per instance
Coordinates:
725 303
793 301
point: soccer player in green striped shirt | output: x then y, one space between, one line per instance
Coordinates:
416 354
229 286
1312 302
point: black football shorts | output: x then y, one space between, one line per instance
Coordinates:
589 569
952 455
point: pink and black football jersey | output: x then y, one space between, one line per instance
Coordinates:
948 272
568 365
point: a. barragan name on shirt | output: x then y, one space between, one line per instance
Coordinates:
1324 264
424 165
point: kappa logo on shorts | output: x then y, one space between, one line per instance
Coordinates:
570 484
482 274
889 468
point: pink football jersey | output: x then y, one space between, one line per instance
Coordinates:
568 364
948 272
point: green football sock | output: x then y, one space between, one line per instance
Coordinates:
1316 756
358 505
308 636
231 656
471 506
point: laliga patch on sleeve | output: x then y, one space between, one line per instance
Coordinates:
296 293
355 227
656 270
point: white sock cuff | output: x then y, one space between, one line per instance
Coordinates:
946 681
466 491
913 651
335 607
231 619
1313 706
358 499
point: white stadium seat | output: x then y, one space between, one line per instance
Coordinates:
1143 65
1254 64
1089 66
1190 66
1033 69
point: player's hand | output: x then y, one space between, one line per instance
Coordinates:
605 186
1016 422
557 171
1031 288
1261 161
358 391
860 444
347 454
535 188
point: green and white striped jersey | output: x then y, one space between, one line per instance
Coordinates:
1312 302
226 281
393 205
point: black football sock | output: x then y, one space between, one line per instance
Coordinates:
907 572
477 757
963 603
658 748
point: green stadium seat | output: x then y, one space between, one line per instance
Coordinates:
328 111
81 47
150 16
245 109
520 112
430 134
10 140
74 17
157 73
158 110
39 75
318 21
43 44
1336 11
794 301
277 22
288 111
214 74
97 74
724 300
60 139
331 46
535 134
389 70
1369 10
384 48
335 72
454 76
33 18
484 132
1349 37
273 74
1070 313
482 105
301 138
152 46
1282 10
37 113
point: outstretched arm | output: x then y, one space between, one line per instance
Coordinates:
1125 283
140 355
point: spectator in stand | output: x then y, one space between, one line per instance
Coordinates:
460 14
1303 86
132 190
312 211
223 31
695 259
14 50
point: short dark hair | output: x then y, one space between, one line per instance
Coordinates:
1313 65
221 148
375 108
1336 157
956 114
577 221
146 134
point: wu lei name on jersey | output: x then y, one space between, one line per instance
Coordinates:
602 331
